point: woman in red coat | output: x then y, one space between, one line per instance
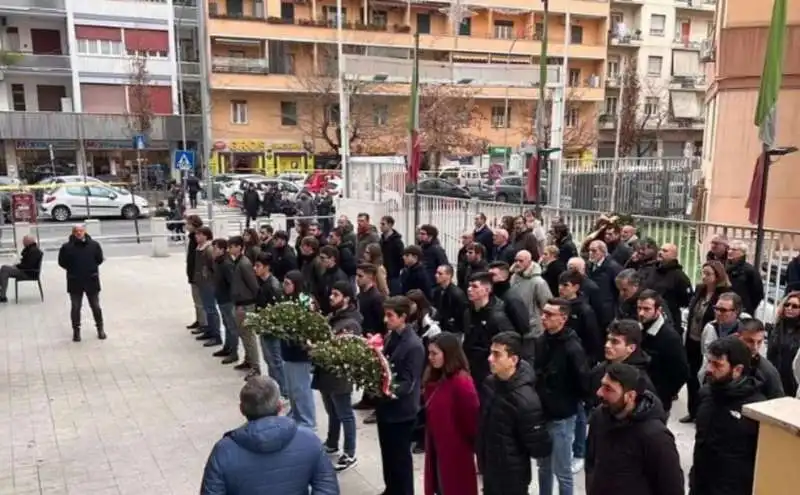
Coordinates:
452 411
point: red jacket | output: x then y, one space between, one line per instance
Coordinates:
452 410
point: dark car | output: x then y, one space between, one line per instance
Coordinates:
511 188
41 172
439 187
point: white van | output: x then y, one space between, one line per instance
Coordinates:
463 176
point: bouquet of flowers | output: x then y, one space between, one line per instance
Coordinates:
356 359
291 321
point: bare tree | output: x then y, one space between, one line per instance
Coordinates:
579 133
140 106
642 113
449 121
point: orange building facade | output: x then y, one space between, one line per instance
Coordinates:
731 138
271 62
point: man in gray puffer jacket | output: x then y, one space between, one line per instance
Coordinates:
529 285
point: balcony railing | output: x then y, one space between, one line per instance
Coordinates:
33 6
696 81
613 81
684 43
185 11
73 126
240 65
697 4
626 39
190 68
34 62
707 51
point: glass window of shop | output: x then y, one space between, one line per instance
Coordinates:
30 162
122 165
244 163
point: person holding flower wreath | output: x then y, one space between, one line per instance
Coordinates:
337 391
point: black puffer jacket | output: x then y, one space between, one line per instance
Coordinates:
516 310
784 344
81 259
632 456
513 430
725 440
675 288
416 277
451 308
747 283
562 373
433 256
639 360
483 324
392 250
583 320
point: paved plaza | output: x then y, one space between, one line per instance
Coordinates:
138 413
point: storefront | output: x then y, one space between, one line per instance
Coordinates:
258 156
118 158
31 154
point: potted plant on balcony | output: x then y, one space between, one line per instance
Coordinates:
360 26
274 20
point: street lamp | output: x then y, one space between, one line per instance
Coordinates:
507 121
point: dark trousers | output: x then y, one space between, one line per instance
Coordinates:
192 199
250 216
694 355
76 298
398 466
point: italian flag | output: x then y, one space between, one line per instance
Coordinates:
414 144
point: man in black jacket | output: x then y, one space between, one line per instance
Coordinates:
617 248
483 234
581 316
552 267
397 415
30 263
449 301
223 282
512 422
745 278
81 257
672 283
414 275
347 255
752 333
462 264
269 292
630 450
433 255
370 300
629 286
516 310
193 222
284 258
475 257
392 250
669 367
251 204
603 270
725 440
562 381
485 319
332 273
592 293
502 250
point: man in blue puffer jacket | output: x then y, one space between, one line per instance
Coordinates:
268 454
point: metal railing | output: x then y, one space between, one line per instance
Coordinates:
37 62
240 65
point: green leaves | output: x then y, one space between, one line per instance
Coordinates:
290 321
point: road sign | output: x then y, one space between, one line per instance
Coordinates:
138 142
184 160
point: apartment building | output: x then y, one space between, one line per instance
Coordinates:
69 73
665 40
275 106
734 63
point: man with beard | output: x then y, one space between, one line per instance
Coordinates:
745 278
630 450
524 238
392 250
669 367
719 249
316 232
646 260
332 273
618 250
752 333
672 283
629 235
347 257
284 258
512 422
476 262
629 286
433 255
725 440
367 234
485 319
449 301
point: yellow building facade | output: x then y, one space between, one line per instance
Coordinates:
274 104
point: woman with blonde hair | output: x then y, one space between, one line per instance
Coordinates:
374 255
784 342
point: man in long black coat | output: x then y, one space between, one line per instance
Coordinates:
81 257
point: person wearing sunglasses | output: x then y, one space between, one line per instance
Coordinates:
728 316
784 341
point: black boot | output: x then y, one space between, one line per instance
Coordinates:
76 334
101 334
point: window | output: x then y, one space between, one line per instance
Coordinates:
465 28
100 192
18 97
611 105
504 29
332 113
651 105
149 54
379 18
499 119
617 20
330 14
657 23
574 78
380 115
238 112
424 23
613 67
288 113
76 191
100 47
575 35
538 31
654 64
572 117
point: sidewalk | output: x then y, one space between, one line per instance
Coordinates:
135 414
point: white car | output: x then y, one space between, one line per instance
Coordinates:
80 179
236 184
67 201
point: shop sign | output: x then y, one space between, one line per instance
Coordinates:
499 150
247 146
23 207
283 147
220 145
45 145
122 145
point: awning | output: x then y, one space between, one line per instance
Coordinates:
685 105
685 63
147 40
98 33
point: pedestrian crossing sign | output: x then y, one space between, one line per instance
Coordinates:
184 160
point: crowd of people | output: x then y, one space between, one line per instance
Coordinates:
526 347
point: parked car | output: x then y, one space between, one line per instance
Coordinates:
439 187
285 188
511 189
68 201
235 184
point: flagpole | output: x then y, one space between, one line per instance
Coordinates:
413 135
542 141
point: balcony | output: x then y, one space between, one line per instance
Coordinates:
45 126
695 82
185 12
627 2
607 121
55 8
696 5
121 66
632 40
708 51
34 63
395 36
687 44
235 65
692 124
613 81
190 69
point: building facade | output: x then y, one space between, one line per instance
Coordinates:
80 79
734 65
275 105
664 41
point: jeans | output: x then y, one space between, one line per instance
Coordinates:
301 397
226 310
76 300
210 310
560 461
396 461
341 417
197 300
579 443
271 348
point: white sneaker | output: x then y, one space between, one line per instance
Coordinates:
344 463
577 466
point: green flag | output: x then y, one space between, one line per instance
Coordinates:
766 110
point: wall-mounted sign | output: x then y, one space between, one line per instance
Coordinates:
23 207
220 145
292 147
45 145
247 146
97 145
